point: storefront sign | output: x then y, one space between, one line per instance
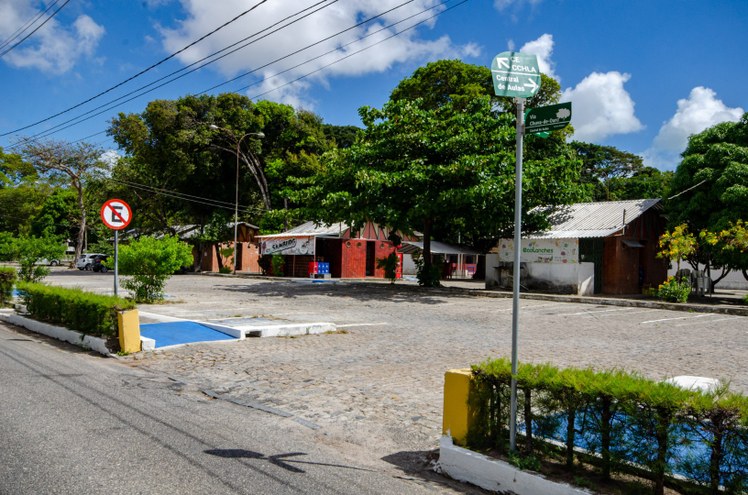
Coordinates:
288 246
541 250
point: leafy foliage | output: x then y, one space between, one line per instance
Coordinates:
150 262
674 290
710 188
609 174
621 417
389 265
438 158
84 312
7 281
29 251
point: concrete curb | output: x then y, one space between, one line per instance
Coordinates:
76 338
495 475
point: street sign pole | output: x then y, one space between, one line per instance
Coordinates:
116 262
516 75
516 272
116 215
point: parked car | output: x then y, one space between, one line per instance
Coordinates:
85 262
45 261
99 265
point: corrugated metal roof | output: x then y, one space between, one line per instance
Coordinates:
601 219
411 247
311 229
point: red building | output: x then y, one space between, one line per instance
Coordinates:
349 253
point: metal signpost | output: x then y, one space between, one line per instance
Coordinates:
549 118
116 214
516 75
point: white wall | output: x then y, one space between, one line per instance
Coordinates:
578 275
733 280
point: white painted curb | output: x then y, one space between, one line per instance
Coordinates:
60 333
495 475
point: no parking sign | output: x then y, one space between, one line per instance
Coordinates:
116 214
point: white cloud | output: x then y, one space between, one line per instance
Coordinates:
54 48
699 111
205 15
543 49
602 107
502 5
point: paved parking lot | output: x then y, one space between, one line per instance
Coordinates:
378 382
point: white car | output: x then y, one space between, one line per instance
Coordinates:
85 262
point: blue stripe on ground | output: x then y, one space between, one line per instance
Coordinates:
180 332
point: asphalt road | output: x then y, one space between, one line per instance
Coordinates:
75 423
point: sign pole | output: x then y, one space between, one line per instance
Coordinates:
116 262
116 215
516 273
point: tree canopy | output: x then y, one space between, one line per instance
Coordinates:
438 158
175 148
709 191
609 174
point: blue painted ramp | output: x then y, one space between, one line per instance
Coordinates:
180 332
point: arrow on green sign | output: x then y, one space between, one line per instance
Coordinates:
515 74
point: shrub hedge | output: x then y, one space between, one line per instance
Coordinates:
84 312
614 420
8 277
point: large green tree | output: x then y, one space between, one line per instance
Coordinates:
709 190
180 157
610 174
21 193
72 165
438 158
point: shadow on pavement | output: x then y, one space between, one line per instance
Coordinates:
361 291
418 465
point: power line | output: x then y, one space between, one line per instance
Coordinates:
188 197
14 35
111 104
151 67
353 53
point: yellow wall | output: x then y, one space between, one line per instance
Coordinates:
129 330
456 392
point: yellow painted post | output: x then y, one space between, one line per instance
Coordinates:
457 418
129 330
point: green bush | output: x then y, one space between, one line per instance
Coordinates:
389 264
84 312
7 281
619 418
674 290
151 262
278 264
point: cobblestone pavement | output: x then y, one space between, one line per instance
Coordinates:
378 382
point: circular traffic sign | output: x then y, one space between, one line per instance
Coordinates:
116 214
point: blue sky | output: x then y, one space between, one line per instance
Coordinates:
641 75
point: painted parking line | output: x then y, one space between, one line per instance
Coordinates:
679 318
710 321
593 312
531 307
350 325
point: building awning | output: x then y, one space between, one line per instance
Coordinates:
412 247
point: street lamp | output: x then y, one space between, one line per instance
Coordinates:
236 197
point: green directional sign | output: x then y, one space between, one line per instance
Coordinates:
515 74
546 119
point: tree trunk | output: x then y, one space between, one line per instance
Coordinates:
427 262
82 222
606 417
571 416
